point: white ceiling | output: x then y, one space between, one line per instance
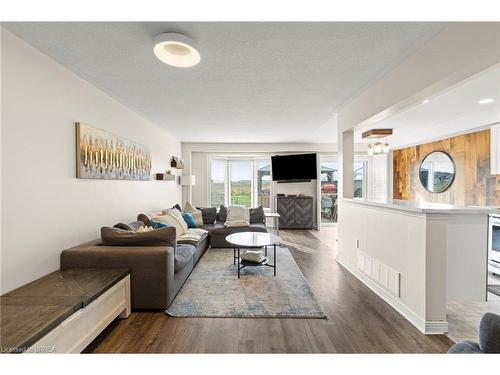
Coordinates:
257 82
454 111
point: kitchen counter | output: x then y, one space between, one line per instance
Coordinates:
424 207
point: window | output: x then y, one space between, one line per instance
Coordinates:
329 183
217 183
263 183
359 179
242 182
329 179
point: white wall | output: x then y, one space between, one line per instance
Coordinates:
45 209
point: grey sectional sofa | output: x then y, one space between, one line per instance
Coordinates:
157 272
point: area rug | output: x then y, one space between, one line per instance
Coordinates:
214 290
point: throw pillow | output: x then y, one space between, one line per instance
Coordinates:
120 237
222 215
134 226
144 218
208 214
257 215
237 213
177 207
144 229
157 225
197 215
188 207
171 220
178 215
198 218
189 219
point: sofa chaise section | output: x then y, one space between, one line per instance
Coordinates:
157 272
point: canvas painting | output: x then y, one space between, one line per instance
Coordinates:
102 155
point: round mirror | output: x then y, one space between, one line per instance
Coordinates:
437 172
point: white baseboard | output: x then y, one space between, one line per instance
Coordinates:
428 327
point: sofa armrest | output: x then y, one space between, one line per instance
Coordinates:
151 268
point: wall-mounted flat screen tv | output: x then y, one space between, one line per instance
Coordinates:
294 168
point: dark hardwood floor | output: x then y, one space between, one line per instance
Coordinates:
358 320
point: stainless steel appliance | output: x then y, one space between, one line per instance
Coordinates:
494 244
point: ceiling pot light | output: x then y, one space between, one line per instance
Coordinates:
176 50
425 101
486 101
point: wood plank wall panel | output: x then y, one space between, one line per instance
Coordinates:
473 185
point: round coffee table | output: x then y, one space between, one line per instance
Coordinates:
248 240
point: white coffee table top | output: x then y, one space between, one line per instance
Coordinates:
252 239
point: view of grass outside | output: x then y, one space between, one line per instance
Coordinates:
240 184
241 193
217 197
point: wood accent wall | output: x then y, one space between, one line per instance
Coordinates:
473 185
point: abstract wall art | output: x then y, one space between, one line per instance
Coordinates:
102 155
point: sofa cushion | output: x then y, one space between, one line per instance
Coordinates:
222 230
132 226
222 214
211 227
257 215
120 237
183 256
209 214
192 241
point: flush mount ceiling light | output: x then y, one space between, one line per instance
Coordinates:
176 50
486 101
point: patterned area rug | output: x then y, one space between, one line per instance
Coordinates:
214 290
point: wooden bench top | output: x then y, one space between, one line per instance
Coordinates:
33 310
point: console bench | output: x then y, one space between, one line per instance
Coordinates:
63 311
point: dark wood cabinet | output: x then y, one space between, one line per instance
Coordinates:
295 212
